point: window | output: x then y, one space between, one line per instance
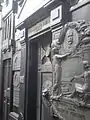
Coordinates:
7 28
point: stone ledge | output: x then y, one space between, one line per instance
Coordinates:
80 4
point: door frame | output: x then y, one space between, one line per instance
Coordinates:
30 109
2 86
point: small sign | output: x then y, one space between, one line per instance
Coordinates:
20 34
16 88
39 27
17 60
56 15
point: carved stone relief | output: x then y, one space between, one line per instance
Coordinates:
46 58
16 84
45 53
47 80
16 78
70 58
71 40
16 60
46 66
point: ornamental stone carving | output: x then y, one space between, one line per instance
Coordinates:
70 58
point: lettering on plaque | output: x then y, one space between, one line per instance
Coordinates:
39 27
16 84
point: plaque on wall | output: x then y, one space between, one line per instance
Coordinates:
16 60
56 15
16 84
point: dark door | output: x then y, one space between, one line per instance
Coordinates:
44 74
31 86
39 76
6 88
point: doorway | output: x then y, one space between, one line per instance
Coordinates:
31 85
39 71
44 74
6 88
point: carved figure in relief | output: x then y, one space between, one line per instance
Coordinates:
57 69
85 88
71 40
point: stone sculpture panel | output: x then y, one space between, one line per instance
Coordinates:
70 58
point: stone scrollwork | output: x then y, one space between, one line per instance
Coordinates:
73 44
